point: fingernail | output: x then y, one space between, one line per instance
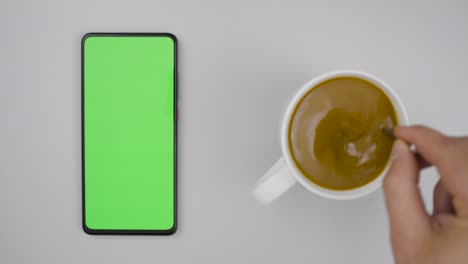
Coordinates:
399 147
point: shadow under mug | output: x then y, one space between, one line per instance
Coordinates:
284 174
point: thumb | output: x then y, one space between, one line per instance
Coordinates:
408 217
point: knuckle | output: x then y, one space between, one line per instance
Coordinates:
420 127
462 143
423 130
444 142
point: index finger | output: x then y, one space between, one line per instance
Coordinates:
431 144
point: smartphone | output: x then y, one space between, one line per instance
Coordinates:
129 133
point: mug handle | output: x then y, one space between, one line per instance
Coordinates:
276 181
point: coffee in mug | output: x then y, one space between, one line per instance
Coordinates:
336 133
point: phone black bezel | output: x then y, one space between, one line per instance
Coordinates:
176 73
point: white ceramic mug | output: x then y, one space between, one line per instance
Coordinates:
284 174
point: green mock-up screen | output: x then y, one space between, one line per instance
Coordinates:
129 133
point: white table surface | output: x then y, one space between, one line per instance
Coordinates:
240 61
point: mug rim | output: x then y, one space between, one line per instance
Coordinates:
354 193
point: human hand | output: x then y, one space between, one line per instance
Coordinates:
417 236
